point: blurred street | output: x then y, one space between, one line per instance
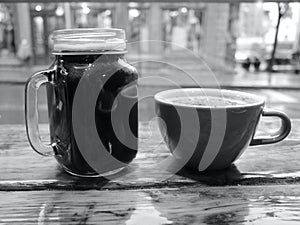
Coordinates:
193 44
281 90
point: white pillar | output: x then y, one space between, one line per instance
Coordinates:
68 16
23 23
121 16
296 46
155 28
216 34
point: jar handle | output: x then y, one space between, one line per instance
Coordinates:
31 111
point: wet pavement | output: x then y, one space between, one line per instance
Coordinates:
281 90
184 73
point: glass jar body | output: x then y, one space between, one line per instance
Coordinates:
115 80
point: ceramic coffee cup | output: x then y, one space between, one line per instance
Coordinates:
208 129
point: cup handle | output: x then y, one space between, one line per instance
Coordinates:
282 133
31 111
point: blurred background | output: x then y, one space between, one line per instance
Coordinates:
248 46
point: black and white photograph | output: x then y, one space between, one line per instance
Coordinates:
150 112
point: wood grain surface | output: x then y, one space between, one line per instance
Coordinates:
185 205
261 188
22 169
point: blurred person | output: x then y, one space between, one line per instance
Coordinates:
50 46
24 52
10 38
179 34
2 39
167 31
135 30
107 22
194 32
256 63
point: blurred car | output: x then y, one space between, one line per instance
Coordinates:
254 51
283 60
296 61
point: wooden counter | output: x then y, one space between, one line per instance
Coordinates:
263 187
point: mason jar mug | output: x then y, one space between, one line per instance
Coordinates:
92 103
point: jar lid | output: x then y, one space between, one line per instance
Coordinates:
91 40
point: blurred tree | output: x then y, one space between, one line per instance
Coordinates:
283 8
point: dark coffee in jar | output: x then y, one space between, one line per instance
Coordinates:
60 103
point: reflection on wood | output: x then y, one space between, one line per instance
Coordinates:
197 205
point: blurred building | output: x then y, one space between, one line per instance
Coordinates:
260 19
8 39
206 29
257 28
254 21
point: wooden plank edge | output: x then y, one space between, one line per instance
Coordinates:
141 1
39 185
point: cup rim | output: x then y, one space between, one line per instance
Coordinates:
162 98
